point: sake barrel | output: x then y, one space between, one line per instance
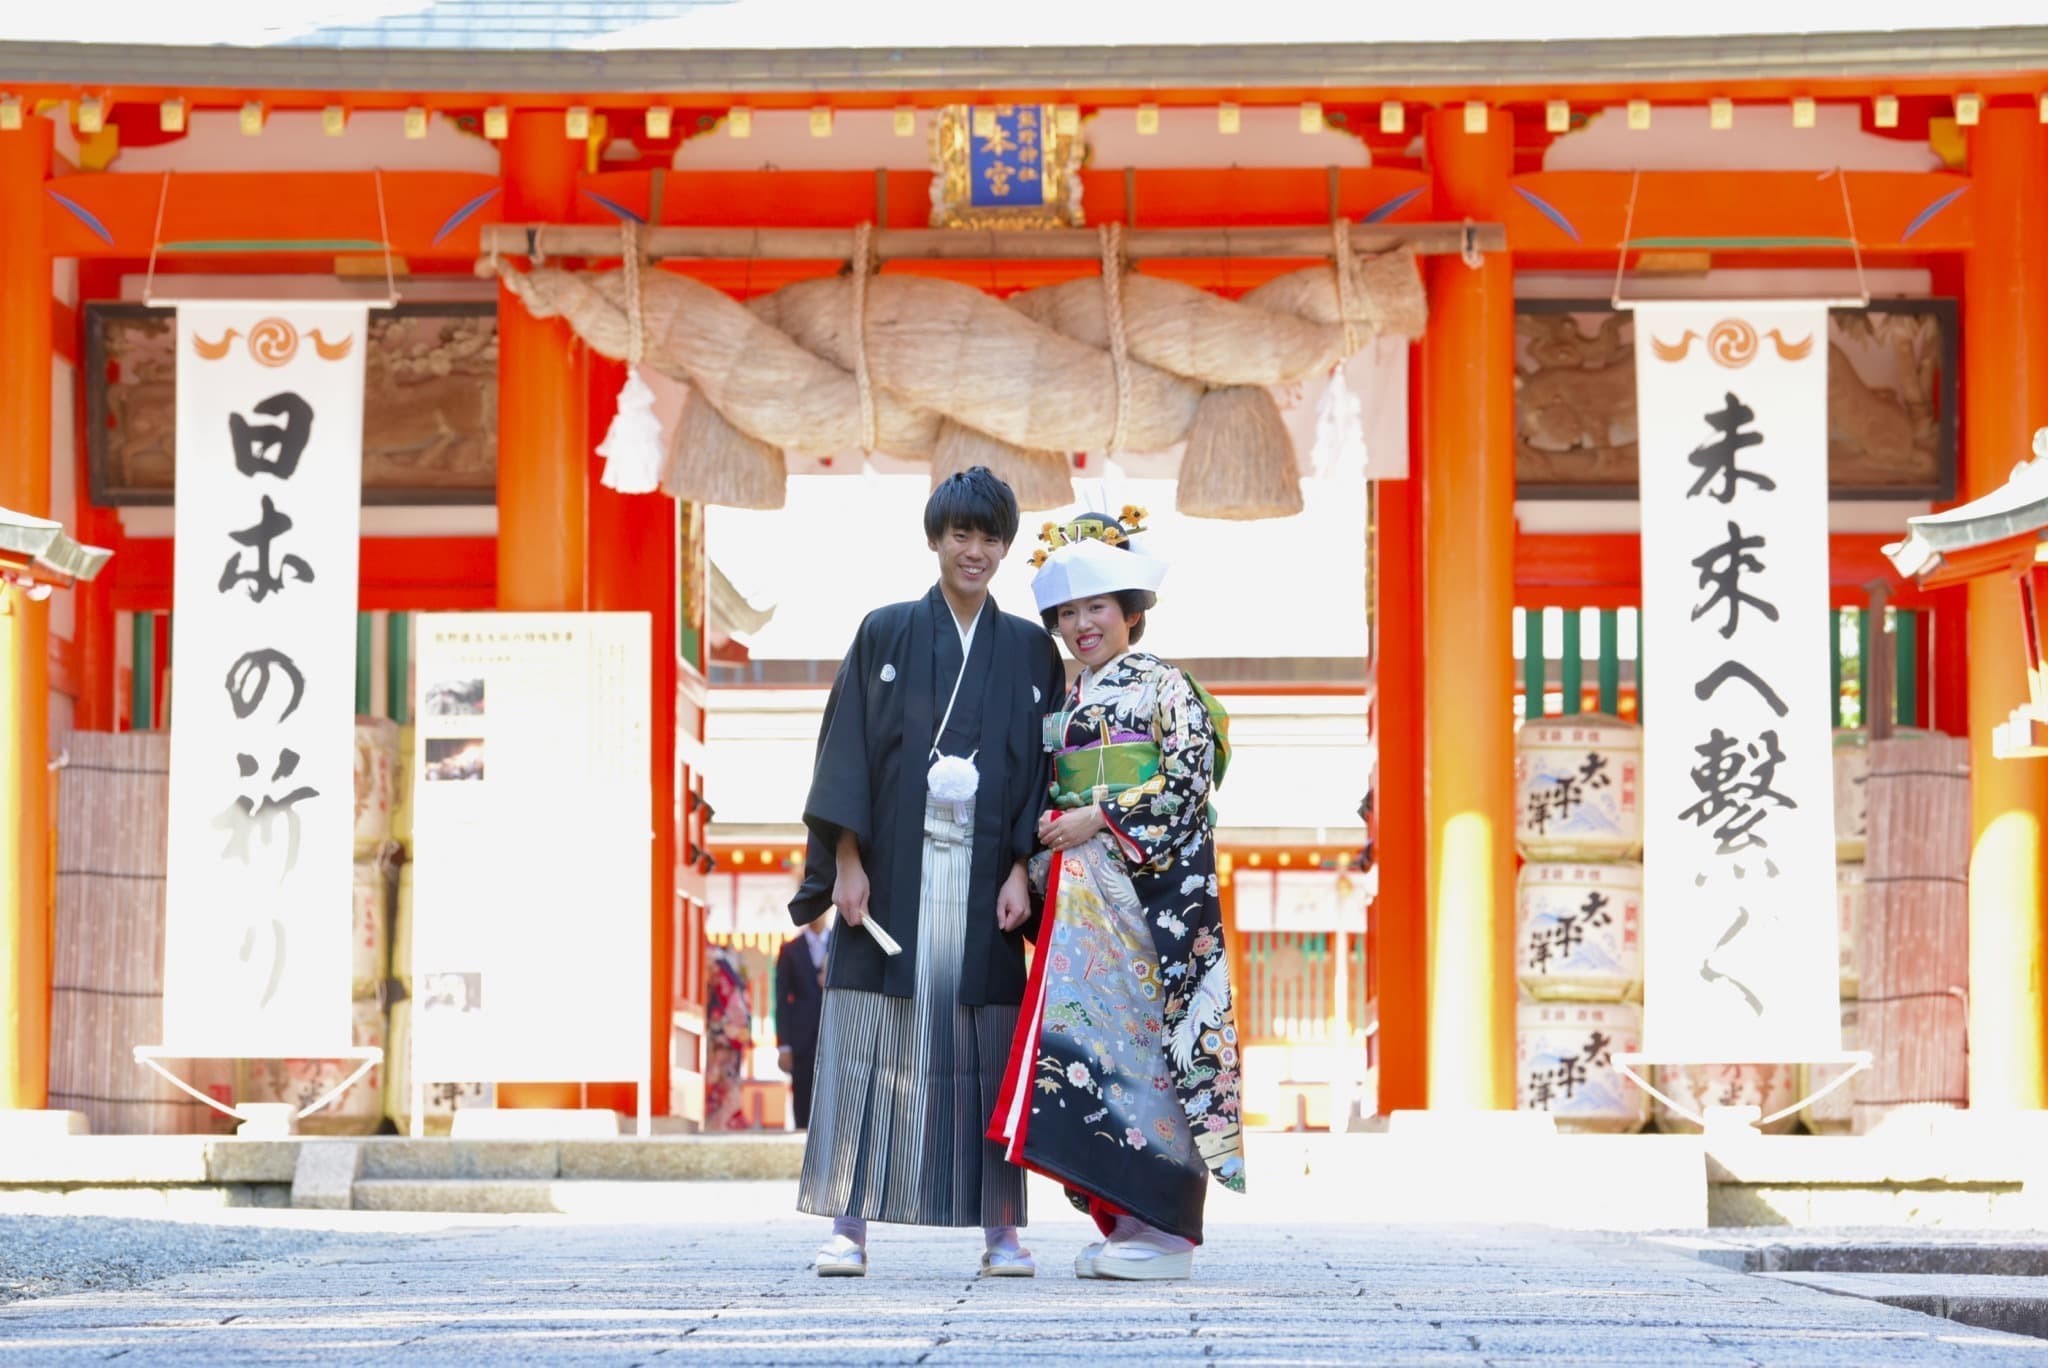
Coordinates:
302 1082
1849 895
367 938
443 1098
1835 1113
1564 1064
376 782
1579 931
1767 1087
1578 788
401 928
401 802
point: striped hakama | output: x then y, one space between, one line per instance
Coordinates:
905 1086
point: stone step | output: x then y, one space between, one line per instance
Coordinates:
2015 1305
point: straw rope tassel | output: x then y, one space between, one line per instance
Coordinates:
863 261
632 445
1119 341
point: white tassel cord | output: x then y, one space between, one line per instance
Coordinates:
632 445
1340 428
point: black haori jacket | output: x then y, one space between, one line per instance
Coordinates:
874 747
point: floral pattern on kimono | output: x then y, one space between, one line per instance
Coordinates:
1131 1053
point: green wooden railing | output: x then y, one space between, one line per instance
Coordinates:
145 630
1554 662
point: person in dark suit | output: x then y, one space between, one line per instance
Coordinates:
799 998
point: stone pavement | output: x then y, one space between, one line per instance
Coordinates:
731 1287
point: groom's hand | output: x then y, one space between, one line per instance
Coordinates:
1013 900
850 888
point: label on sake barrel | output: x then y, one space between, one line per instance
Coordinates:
1770 1088
1578 789
1564 1064
1579 931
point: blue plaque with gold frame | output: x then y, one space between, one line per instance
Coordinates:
1005 166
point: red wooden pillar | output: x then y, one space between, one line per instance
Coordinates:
542 448
98 706
25 360
2005 398
632 568
1401 911
1468 583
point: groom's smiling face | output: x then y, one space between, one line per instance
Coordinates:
968 559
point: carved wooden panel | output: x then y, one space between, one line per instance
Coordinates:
430 404
1891 400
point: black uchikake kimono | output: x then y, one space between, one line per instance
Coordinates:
874 747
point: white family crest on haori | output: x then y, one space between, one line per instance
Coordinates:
1739 944
262 793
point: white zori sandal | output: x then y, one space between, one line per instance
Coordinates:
1137 1253
840 1257
1008 1263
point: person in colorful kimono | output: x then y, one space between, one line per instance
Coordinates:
729 1027
1123 1079
921 816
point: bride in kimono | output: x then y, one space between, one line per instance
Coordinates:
1123 1078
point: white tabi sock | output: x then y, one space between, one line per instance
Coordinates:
853 1228
1001 1237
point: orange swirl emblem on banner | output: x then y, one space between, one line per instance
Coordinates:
273 342
214 351
1732 343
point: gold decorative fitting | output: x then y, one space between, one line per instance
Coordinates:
10 113
1884 111
1557 116
497 123
1393 116
416 123
170 116
739 122
1804 112
252 118
1004 166
660 122
92 114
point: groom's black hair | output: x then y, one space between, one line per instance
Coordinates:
974 499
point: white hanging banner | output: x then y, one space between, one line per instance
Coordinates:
1739 876
262 791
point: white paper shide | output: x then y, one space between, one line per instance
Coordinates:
1739 942
269 481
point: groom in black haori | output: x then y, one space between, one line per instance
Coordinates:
922 812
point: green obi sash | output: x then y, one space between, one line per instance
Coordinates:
1131 766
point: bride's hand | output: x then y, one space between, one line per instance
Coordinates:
1066 830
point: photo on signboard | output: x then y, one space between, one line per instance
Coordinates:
452 758
456 698
452 992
